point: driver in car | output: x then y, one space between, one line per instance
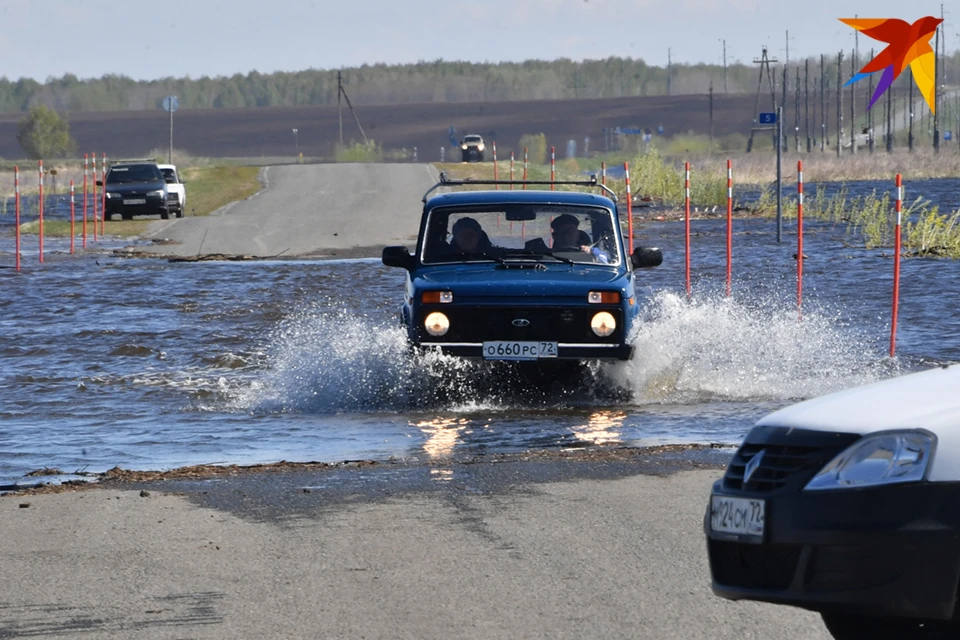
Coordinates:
567 236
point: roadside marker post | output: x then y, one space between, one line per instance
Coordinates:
799 236
552 168
729 227
686 217
72 218
511 171
85 169
896 268
524 168
40 207
16 208
103 197
626 173
94 158
496 174
603 173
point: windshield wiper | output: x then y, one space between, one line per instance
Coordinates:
540 254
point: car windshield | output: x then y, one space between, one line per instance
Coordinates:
169 176
134 173
472 139
503 233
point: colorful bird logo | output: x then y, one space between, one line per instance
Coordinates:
909 44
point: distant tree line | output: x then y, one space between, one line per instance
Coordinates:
438 81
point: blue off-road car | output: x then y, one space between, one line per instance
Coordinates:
521 275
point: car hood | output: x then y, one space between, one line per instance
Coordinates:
133 187
487 281
927 400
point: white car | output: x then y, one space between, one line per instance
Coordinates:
849 505
176 189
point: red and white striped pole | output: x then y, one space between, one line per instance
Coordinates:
553 163
40 207
896 268
103 196
603 173
72 218
94 158
729 226
524 168
799 235
496 174
85 169
511 171
16 208
626 172
686 208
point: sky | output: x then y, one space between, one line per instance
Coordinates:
162 38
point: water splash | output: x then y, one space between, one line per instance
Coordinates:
709 350
726 349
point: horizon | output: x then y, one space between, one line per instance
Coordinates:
418 32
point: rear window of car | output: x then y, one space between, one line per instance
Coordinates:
134 173
169 175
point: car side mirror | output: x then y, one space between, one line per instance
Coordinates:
99 183
646 257
398 257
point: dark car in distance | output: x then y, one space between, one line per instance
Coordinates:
135 188
521 275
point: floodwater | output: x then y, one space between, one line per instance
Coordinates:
148 364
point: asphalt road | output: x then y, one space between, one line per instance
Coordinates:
310 211
493 550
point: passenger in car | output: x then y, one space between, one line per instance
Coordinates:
567 236
469 238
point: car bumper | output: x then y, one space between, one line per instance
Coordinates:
565 351
151 208
885 551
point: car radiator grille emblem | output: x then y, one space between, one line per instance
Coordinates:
521 322
752 466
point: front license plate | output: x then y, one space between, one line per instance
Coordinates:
738 516
519 350
135 201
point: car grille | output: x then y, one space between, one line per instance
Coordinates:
783 465
557 324
753 566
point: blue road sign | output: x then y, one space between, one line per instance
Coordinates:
170 103
948 136
768 118
631 131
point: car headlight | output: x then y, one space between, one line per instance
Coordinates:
882 458
436 324
480 147
464 147
111 196
155 194
603 324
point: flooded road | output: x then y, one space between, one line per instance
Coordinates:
148 364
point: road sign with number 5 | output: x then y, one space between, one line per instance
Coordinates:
768 118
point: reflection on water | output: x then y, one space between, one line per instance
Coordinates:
602 427
442 435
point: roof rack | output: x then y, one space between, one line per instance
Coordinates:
462 182
126 160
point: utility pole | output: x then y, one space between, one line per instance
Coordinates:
669 72
806 98
339 107
890 120
764 62
725 91
853 105
910 109
796 118
936 90
839 103
823 104
870 141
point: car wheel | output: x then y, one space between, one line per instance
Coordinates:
179 213
107 216
127 216
164 215
850 627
